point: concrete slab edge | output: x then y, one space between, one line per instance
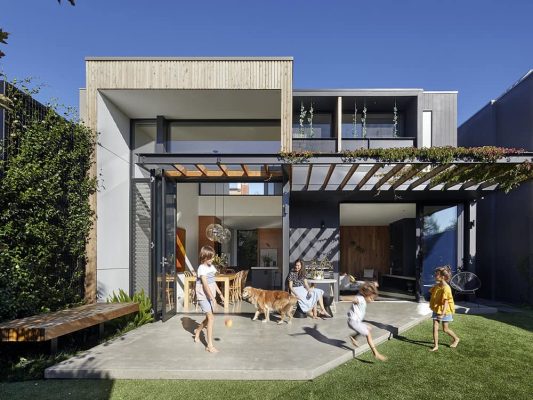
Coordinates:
57 372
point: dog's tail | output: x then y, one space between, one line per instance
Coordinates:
293 299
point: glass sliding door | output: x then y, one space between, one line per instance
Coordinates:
441 241
164 261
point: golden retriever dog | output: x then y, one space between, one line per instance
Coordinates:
271 300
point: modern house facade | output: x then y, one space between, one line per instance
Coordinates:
196 149
505 234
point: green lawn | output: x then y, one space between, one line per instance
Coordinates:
493 361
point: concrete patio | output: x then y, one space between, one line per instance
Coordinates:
249 350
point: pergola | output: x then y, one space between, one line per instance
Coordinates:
335 173
416 179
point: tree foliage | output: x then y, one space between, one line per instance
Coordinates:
45 215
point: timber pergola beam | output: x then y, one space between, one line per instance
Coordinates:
336 172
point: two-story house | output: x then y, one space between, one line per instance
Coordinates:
195 151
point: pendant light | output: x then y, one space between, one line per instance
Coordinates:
214 231
225 236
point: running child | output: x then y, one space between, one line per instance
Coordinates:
367 293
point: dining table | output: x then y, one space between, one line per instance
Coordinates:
225 279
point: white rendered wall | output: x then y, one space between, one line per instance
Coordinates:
113 199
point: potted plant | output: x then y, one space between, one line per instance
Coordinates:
267 260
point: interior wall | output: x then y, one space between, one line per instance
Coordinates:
203 222
240 205
270 239
113 196
314 231
187 200
364 247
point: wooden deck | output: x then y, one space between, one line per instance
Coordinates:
52 325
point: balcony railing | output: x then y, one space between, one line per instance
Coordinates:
374 143
225 146
319 145
316 145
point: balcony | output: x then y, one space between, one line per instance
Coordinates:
316 145
377 142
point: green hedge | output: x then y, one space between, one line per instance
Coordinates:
45 217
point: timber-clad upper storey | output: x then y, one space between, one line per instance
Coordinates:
317 120
219 73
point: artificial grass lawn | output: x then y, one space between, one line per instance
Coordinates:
493 361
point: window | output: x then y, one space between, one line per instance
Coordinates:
321 128
144 137
426 128
378 125
242 188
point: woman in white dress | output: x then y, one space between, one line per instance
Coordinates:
308 297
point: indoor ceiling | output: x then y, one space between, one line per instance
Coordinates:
247 223
365 214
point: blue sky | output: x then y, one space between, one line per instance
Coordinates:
478 47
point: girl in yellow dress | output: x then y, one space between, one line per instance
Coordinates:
442 305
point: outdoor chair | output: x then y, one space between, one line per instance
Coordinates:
465 283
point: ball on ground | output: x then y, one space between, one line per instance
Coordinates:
228 322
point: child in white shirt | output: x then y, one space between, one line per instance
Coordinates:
368 292
206 292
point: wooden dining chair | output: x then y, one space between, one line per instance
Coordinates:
235 287
244 278
170 286
192 292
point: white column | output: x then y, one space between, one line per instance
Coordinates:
339 124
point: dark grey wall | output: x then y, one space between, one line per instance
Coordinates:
314 230
444 117
480 129
505 221
403 246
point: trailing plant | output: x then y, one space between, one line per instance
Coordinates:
446 154
294 157
363 122
354 127
301 129
144 315
45 216
310 121
395 120
512 178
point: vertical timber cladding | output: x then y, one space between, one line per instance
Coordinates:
182 73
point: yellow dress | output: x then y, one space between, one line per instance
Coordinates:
439 294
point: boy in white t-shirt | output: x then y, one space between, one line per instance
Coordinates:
206 291
368 292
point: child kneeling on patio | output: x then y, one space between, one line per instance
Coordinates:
367 293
